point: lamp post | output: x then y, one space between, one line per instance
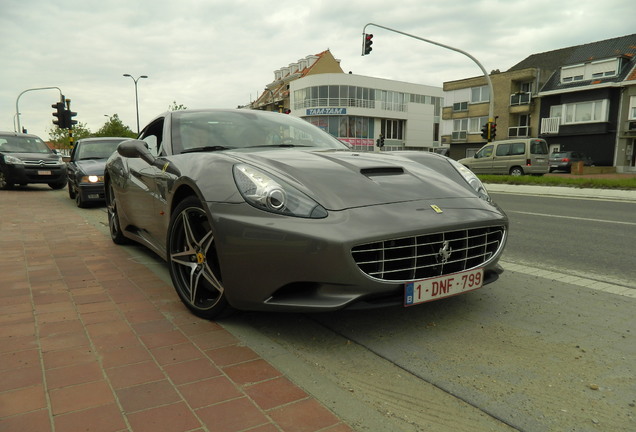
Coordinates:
136 96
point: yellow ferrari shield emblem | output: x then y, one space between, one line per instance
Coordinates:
436 208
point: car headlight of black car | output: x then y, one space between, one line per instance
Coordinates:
268 193
472 180
12 160
92 179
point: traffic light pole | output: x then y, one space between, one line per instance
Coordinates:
491 107
17 101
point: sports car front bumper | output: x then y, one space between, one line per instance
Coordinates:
273 262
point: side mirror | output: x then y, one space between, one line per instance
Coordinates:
136 149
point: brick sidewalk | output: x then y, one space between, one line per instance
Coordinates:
90 340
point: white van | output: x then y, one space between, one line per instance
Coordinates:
513 157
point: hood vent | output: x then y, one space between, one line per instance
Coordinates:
382 171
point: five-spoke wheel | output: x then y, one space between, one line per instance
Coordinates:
193 260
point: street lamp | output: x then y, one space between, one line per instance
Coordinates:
136 97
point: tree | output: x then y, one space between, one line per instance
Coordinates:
114 127
61 139
175 107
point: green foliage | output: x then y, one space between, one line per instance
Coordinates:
579 182
60 137
175 107
114 127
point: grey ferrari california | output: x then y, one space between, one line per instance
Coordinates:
257 210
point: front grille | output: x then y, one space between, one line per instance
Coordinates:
40 163
429 255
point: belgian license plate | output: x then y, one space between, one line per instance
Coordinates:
93 196
424 290
41 172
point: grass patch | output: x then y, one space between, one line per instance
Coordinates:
595 183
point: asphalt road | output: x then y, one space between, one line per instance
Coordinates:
534 351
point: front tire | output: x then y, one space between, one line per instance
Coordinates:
71 192
5 183
193 261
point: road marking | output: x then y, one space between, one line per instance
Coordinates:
570 279
573 217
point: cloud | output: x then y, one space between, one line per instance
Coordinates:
222 54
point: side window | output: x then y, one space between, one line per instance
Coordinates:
153 136
484 153
518 148
503 149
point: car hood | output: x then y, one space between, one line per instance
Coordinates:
339 180
33 156
92 166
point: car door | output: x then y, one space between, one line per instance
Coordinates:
482 161
139 195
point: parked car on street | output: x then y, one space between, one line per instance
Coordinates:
258 210
562 161
86 168
517 156
25 158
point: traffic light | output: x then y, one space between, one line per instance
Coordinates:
58 114
68 118
484 131
493 131
380 141
368 41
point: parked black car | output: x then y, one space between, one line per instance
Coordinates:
562 161
86 168
25 159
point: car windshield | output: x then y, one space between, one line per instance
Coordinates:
22 144
241 129
96 149
559 155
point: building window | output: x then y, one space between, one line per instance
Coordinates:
479 94
582 112
392 129
460 106
632 108
476 123
592 70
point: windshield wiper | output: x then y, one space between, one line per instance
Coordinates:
206 149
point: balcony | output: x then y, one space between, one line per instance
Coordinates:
519 131
550 125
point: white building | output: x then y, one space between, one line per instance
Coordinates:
357 109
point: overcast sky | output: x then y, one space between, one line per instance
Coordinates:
221 54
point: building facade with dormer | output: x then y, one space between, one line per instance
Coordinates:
354 108
588 103
580 98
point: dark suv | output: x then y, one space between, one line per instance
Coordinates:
27 159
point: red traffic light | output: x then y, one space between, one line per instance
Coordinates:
368 41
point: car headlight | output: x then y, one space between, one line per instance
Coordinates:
471 179
267 193
12 160
92 179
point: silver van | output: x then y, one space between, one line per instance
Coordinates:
513 157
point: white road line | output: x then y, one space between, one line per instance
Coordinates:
570 279
572 217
